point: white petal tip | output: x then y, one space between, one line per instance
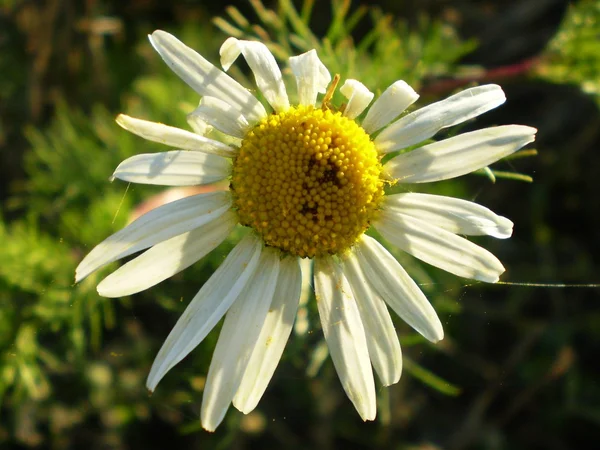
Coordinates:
80 274
122 119
499 228
152 382
155 37
394 380
83 270
503 230
487 277
157 34
243 408
502 96
358 96
243 403
437 337
526 132
402 89
229 52
368 416
104 290
210 424
496 92
435 332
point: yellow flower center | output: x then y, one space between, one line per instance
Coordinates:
308 181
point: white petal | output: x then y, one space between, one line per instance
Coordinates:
345 335
207 307
358 97
167 258
439 247
261 61
382 340
199 126
155 226
302 324
394 100
221 115
452 214
175 137
273 337
237 340
397 288
312 77
459 155
425 122
174 168
203 77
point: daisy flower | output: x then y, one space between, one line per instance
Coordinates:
307 181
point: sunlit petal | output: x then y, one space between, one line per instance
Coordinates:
394 100
459 155
203 77
207 307
241 329
312 77
358 97
266 71
345 335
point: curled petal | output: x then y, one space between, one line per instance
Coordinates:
394 100
312 77
358 97
221 115
199 126
261 61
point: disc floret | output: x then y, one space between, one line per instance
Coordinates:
308 181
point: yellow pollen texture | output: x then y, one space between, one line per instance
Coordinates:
308 181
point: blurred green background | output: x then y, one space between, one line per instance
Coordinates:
518 367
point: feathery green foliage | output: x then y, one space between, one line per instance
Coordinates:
573 55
